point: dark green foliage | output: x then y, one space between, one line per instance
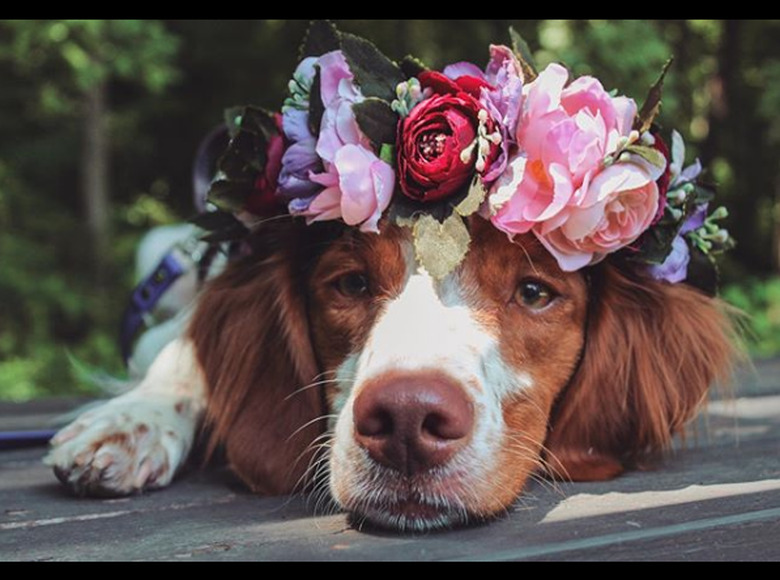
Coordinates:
376 75
321 37
316 106
411 66
250 129
652 105
377 121
524 55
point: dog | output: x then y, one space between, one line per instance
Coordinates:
329 358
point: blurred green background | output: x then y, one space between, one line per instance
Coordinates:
100 120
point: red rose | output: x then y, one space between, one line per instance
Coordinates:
663 181
437 142
263 201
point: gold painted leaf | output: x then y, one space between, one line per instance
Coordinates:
440 247
474 199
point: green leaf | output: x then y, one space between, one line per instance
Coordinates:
321 37
229 196
702 272
656 244
412 66
652 105
375 74
440 247
244 155
258 122
316 106
251 130
652 156
473 200
387 154
377 121
524 55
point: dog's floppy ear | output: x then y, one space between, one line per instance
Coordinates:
652 350
251 335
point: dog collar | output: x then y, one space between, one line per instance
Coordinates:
361 138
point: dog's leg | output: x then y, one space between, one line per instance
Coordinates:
138 440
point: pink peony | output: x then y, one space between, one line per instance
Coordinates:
339 93
358 185
358 188
626 200
558 186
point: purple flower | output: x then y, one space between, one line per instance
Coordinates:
300 159
675 267
504 72
354 184
696 220
463 69
678 174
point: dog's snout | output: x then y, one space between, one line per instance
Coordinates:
413 422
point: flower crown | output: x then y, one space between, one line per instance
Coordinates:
361 137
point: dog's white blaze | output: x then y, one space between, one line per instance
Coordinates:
428 326
418 331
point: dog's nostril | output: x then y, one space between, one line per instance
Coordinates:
377 424
433 425
413 422
454 424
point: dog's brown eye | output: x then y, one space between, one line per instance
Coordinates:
534 295
353 285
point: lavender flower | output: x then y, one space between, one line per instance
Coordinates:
300 159
675 267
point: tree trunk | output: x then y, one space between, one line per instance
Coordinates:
95 179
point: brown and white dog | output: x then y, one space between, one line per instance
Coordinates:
330 355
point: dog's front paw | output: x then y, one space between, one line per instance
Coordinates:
128 445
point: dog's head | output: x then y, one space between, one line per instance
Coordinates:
430 403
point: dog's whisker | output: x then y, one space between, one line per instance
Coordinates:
310 386
310 423
305 480
315 449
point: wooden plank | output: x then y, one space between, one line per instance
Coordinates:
45 413
715 500
204 517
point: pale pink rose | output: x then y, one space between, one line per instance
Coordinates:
358 188
557 185
625 201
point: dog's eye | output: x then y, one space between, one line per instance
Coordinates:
534 295
352 285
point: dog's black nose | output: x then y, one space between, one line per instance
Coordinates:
413 421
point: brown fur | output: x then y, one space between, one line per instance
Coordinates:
545 344
339 325
652 351
273 323
251 335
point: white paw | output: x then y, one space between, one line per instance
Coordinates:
130 444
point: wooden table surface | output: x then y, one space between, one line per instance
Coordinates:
718 499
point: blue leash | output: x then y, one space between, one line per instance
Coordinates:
20 439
